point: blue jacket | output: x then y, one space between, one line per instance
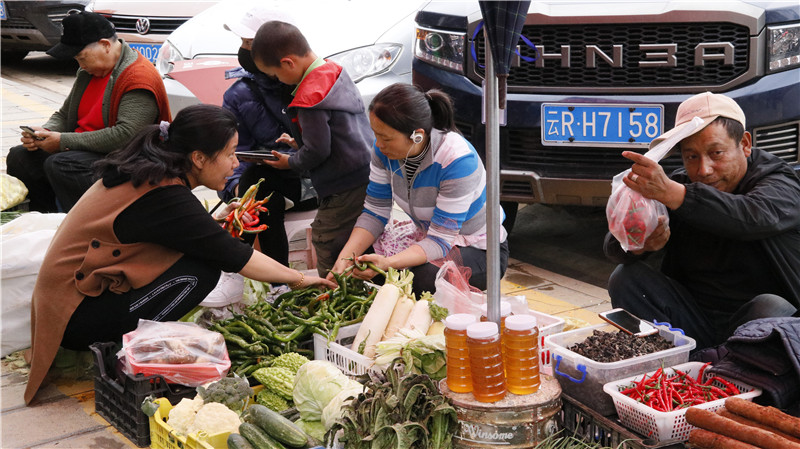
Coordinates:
332 130
262 118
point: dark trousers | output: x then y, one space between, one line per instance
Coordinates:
650 295
171 296
65 176
281 184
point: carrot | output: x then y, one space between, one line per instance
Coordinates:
741 419
709 420
376 319
399 316
770 416
704 439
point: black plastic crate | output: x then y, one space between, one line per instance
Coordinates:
118 396
586 424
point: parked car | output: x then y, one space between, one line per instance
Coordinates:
371 40
32 26
595 78
146 25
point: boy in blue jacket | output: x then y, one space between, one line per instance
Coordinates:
330 131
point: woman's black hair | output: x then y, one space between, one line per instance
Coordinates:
406 107
154 155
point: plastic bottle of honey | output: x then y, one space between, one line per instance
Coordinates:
459 377
521 355
486 362
505 311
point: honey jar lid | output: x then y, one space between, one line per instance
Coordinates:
520 322
482 329
459 321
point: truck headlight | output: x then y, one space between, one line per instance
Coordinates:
167 55
440 48
783 47
369 61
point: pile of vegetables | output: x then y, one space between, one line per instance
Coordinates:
414 330
667 392
278 381
215 408
397 410
233 222
266 330
265 429
320 392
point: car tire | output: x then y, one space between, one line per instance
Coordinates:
12 57
510 208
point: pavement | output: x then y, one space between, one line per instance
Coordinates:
65 417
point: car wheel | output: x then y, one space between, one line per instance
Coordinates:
12 57
510 208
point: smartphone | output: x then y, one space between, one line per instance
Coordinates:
30 130
257 154
628 322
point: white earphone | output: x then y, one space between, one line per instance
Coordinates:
416 137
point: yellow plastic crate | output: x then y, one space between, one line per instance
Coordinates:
162 436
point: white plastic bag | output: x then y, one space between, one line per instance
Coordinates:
454 292
24 243
632 217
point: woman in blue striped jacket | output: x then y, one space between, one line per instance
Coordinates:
423 165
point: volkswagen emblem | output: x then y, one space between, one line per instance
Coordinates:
143 25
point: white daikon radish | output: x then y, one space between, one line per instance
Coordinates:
420 317
399 316
376 319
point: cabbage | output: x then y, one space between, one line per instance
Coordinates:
335 407
315 384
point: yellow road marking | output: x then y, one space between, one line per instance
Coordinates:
44 111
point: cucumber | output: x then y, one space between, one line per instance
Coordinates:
258 438
236 441
276 425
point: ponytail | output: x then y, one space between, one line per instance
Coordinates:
406 107
161 152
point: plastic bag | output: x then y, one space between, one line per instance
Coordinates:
12 191
632 217
184 353
454 292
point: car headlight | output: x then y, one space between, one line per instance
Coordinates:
441 48
168 55
783 47
369 61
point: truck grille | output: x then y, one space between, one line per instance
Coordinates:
630 77
781 140
158 25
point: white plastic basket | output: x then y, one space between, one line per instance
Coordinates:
662 426
548 325
339 353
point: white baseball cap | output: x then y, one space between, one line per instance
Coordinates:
248 24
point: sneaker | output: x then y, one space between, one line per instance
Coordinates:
229 289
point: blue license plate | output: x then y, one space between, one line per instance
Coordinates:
3 15
601 125
149 51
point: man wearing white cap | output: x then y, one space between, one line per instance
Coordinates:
732 246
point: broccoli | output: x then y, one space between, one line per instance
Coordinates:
277 379
291 360
271 400
232 392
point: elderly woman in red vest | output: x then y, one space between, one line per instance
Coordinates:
139 245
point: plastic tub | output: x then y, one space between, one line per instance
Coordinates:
662 426
339 353
581 377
